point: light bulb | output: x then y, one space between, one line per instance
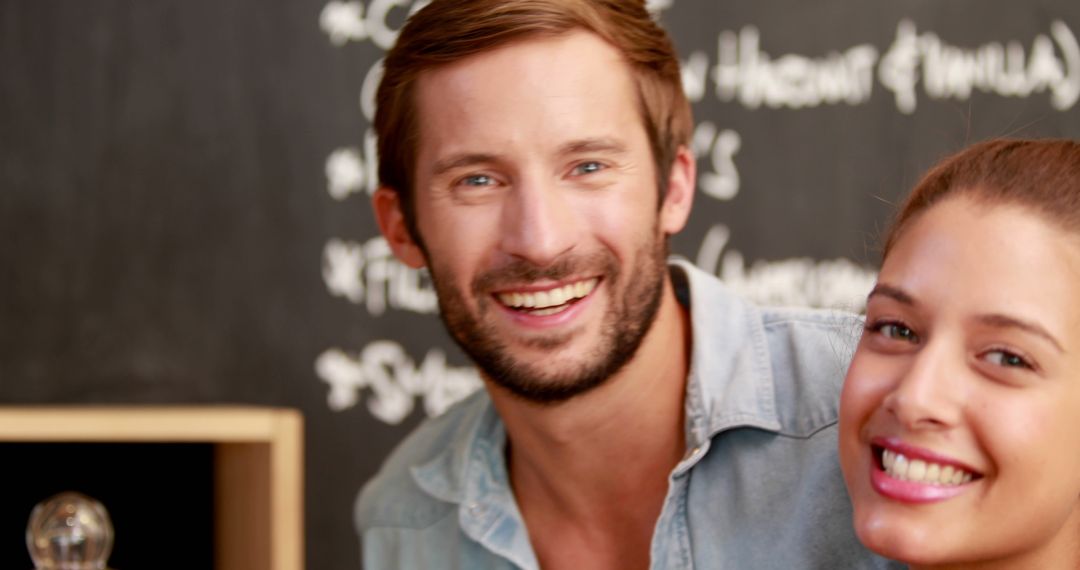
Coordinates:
69 531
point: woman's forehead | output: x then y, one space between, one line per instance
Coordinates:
964 257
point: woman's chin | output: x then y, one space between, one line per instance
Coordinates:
913 544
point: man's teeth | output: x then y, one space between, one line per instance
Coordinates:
546 302
900 467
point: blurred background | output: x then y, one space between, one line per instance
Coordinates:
184 186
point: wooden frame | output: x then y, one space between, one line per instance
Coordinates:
258 466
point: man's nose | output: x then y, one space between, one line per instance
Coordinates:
928 394
539 222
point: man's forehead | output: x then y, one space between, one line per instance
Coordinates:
522 88
572 45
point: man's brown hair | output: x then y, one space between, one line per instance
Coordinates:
447 31
1040 175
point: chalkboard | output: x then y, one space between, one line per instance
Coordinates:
184 212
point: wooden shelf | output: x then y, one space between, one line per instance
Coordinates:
258 466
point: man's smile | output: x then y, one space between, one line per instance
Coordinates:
547 301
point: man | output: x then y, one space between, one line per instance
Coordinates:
533 156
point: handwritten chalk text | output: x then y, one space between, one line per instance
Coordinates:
799 282
1005 69
394 380
370 275
745 73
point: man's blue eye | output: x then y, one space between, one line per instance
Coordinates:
588 167
477 180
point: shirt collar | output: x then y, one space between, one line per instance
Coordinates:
471 473
730 382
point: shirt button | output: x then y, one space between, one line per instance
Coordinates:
476 509
692 453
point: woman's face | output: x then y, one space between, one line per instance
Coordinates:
960 415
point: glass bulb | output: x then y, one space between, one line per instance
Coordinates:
69 531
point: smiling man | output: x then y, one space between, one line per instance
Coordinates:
533 156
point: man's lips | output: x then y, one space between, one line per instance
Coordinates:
547 301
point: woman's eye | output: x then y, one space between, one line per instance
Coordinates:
897 331
588 168
1006 359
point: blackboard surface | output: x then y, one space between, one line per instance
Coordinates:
183 192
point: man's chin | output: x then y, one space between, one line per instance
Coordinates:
543 347
546 388
549 376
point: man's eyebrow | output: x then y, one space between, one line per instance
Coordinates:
599 144
1005 321
894 293
459 160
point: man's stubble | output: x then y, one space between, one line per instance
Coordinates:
634 299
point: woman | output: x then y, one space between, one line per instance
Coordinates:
960 415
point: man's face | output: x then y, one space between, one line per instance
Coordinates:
537 205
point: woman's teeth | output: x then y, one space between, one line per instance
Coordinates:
900 467
551 301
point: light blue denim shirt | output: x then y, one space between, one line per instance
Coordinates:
758 487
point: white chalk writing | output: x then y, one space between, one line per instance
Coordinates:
351 170
348 21
748 74
803 282
695 73
1005 69
657 6
368 89
394 380
343 22
369 274
722 182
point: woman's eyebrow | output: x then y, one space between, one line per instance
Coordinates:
1005 321
895 293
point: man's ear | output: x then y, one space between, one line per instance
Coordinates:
391 220
680 192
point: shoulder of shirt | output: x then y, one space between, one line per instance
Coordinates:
809 352
799 357
392 497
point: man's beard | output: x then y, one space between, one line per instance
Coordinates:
626 321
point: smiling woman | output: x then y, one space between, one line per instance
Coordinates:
959 431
